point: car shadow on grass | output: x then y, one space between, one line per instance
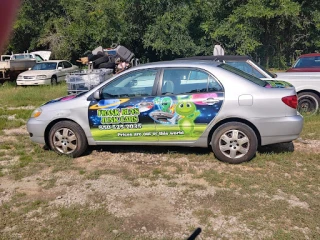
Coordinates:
150 149
272 148
277 148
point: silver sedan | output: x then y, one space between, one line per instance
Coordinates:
175 103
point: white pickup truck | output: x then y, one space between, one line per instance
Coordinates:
307 85
12 65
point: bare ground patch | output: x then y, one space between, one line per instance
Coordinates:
158 194
16 131
307 145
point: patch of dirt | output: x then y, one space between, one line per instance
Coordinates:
307 145
8 139
128 186
16 131
292 200
22 108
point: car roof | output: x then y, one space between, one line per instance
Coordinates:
310 55
179 63
218 58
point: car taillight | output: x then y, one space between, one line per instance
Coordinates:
291 101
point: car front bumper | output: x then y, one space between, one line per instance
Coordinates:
33 82
277 130
36 130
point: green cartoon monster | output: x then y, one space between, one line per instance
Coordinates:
189 113
166 104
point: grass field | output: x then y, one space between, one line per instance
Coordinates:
140 192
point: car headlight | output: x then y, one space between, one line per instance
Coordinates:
36 113
20 77
40 77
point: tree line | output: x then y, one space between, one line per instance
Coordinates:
273 32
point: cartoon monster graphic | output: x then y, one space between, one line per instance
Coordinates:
157 102
189 113
166 104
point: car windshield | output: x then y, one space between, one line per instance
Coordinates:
243 74
307 62
45 66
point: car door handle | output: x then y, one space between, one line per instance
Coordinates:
210 101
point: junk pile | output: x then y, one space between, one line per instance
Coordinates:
102 65
118 59
85 80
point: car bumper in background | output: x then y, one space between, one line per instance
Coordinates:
33 82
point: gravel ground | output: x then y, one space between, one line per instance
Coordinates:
159 204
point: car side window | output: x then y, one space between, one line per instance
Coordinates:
67 65
60 64
134 84
185 81
246 67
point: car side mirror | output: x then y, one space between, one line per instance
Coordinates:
59 68
97 95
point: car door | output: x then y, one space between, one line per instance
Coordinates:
189 100
60 71
122 113
67 68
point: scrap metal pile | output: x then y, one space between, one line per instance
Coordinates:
118 58
102 64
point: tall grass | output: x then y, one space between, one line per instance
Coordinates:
13 96
311 127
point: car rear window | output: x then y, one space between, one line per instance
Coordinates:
243 74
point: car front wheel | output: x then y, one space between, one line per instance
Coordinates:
67 138
234 142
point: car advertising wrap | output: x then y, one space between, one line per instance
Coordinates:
163 118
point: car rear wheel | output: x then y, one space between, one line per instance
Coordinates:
308 103
67 138
54 80
234 142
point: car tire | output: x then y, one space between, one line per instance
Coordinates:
68 138
54 80
234 142
308 103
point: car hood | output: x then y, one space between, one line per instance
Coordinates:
61 99
310 69
44 54
278 84
37 72
65 98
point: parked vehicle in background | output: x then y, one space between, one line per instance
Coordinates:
26 56
175 103
306 63
12 65
47 72
307 84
